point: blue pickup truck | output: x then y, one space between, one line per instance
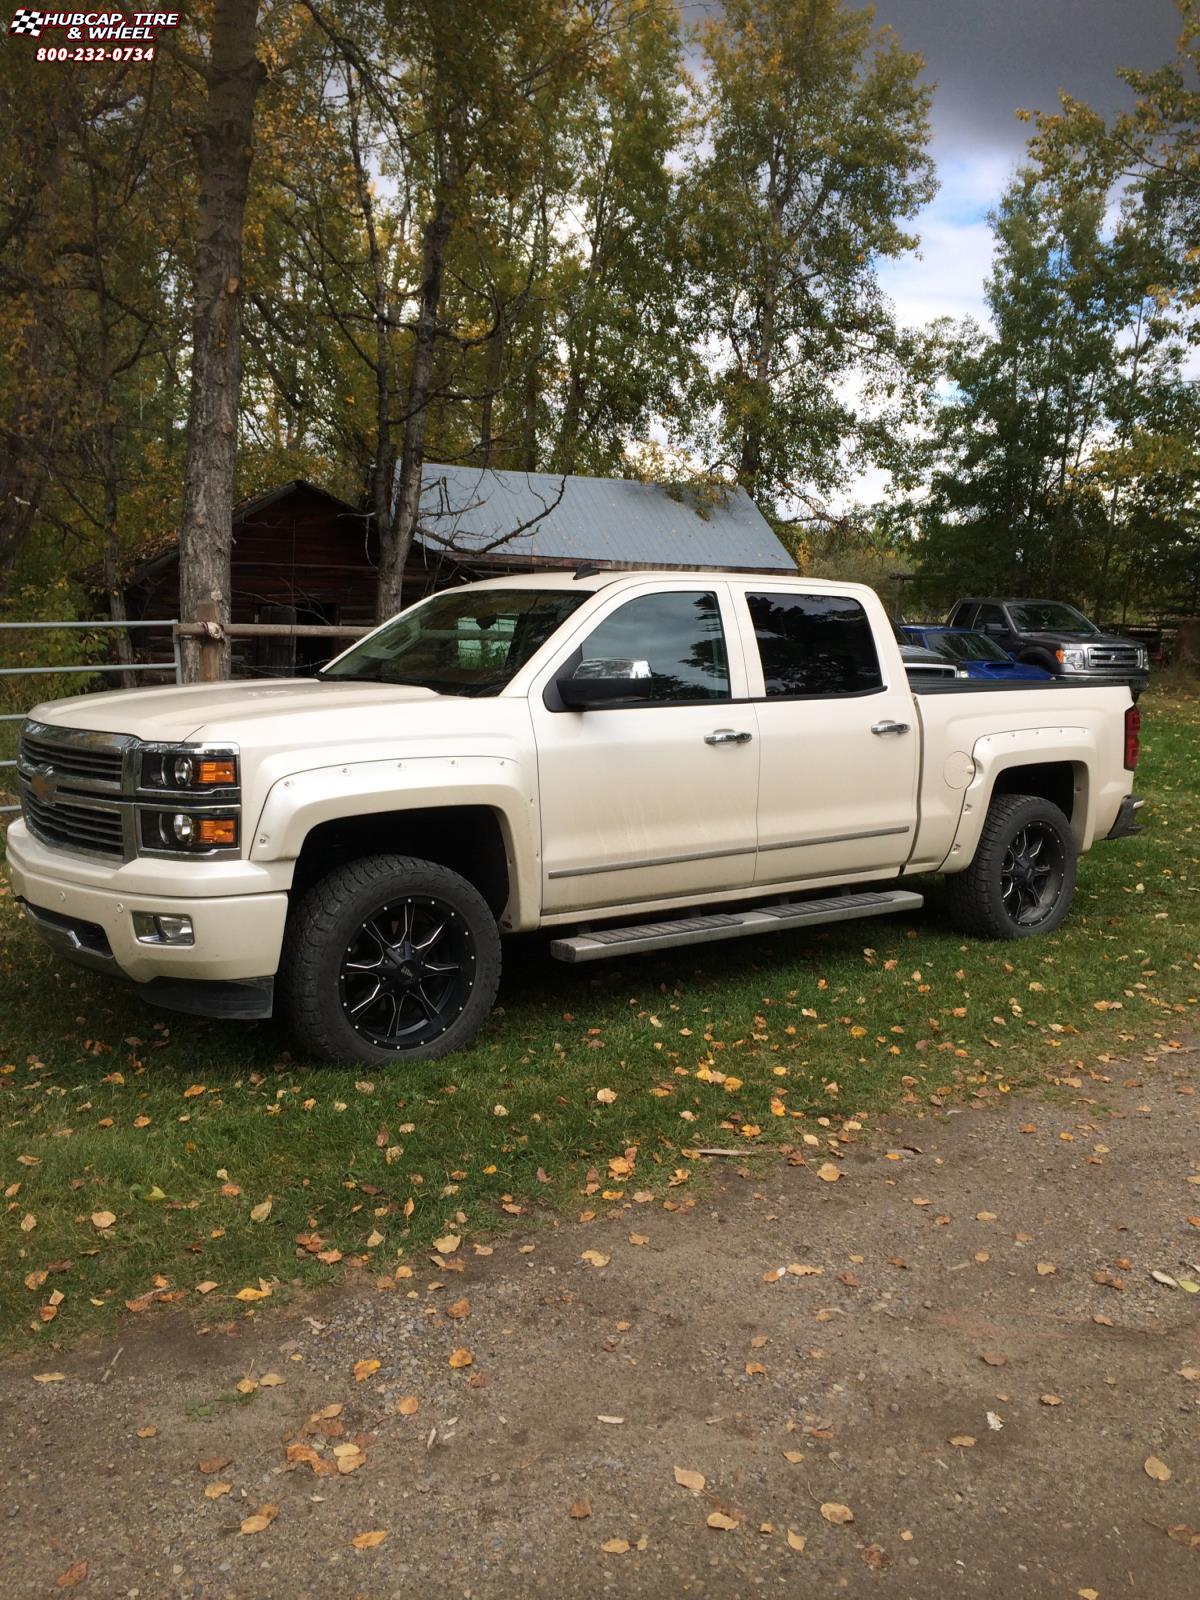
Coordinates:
980 657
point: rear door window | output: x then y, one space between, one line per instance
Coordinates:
814 644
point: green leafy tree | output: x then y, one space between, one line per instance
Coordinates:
810 157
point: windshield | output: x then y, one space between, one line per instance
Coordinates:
966 646
463 642
1049 616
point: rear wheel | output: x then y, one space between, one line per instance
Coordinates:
390 958
1022 877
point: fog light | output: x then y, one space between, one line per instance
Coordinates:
183 828
151 928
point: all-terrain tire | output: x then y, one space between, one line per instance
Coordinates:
332 964
1000 896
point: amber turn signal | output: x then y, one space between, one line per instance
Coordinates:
217 771
217 831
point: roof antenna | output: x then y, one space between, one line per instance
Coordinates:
589 569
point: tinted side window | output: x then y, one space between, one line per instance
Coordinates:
678 638
989 614
814 644
962 616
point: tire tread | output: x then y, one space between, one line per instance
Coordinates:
314 1015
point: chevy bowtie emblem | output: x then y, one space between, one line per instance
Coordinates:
44 784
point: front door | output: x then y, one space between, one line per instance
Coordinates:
839 744
653 800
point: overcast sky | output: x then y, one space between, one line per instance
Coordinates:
989 58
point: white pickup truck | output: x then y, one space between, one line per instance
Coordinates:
635 760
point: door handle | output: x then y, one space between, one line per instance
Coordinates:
889 727
727 736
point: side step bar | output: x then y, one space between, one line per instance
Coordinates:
606 942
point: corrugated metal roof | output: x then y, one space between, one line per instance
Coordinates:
546 516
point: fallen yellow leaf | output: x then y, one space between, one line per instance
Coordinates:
839 1515
796 1540
1156 1469
719 1520
262 1518
828 1173
461 1357
408 1405
363 1369
686 1478
368 1541
103 1219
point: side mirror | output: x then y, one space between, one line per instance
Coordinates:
612 681
995 630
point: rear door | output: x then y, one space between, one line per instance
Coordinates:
654 801
839 743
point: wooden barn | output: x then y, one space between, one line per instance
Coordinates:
301 555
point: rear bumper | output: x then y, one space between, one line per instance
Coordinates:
1126 824
237 938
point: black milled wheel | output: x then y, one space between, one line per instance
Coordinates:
1023 875
389 958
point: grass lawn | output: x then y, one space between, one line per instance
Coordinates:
225 1161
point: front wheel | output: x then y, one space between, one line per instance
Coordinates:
1022 877
389 958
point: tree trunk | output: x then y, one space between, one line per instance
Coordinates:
383 461
233 75
396 535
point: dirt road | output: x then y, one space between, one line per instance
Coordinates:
946 1367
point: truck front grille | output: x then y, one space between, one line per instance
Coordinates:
67 823
65 777
1113 655
89 761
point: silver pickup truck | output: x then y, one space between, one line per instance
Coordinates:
633 761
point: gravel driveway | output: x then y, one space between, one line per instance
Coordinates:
947 1373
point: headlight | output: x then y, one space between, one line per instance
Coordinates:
1072 658
189 769
1143 657
188 832
190 799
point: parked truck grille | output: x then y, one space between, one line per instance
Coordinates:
1114 655
66 777
93 760
69 824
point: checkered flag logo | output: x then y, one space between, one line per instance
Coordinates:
27 22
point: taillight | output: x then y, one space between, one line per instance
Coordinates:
1133 737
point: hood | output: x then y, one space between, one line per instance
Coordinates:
217 710
1061 636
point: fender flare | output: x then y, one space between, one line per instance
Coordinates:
300 802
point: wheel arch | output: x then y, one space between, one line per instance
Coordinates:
1017 764
473 815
